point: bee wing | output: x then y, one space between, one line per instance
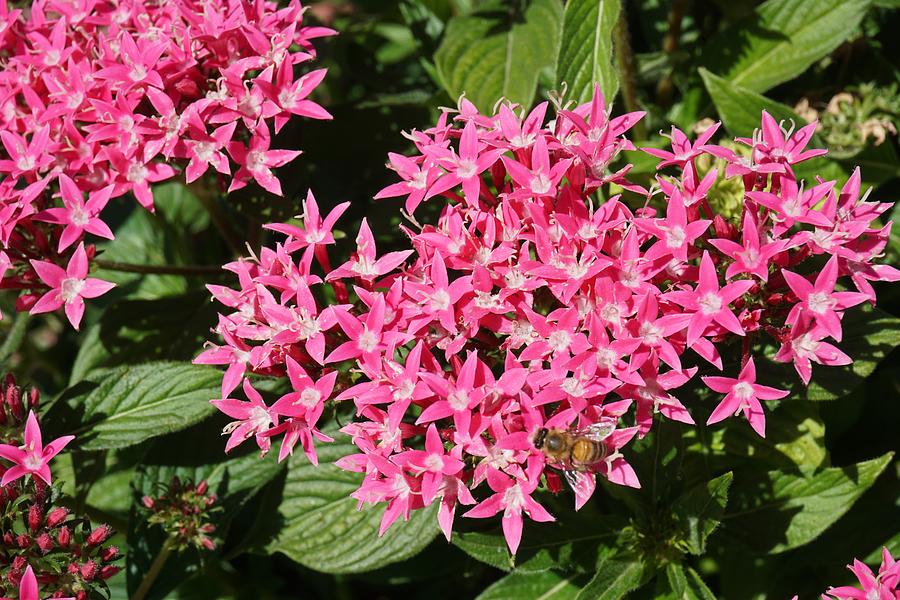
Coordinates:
583 484
596 432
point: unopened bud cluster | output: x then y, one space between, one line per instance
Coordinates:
183 511
15 402
68 555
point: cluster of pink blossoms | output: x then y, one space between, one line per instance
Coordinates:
101 98
534 302
883 586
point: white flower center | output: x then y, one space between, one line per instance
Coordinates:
368 341
466 169
458 400
137 173
309 397
434 462
742 390
675 237
820 302
70 289
710 303
440 300
650 333
540 184
559 340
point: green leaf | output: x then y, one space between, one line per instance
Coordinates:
322 529
127 405
573 536
616 575
133 331
776 511
545 585
500 52
685 584
586 49
781 40
700 509
740 108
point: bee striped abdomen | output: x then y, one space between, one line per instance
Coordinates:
586 452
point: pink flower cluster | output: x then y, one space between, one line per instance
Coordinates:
539 301
101 98
883 586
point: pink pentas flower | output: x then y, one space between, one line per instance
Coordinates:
513 497
100 101
78 216
819 300
883 586
253 418
753 256
742 395
28 586
68 287
709 303
32 457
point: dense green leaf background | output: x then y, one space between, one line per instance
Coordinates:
724 514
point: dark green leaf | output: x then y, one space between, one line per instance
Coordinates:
781 40
685 584
500 52
547 585
127 405
586 49
616 575
700 510
777 511
322 529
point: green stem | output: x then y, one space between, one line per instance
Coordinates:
665 87
207 199
112 265
625 68
15 336
158 563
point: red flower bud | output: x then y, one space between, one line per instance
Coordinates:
147 501
57 516
35 517
202 487
23 541
89 570
109 554
64 537
99 535
45 542
108 571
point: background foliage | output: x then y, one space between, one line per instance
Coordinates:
725 514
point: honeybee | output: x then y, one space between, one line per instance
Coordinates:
575 450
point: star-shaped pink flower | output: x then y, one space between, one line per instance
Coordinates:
69 287
32 457
742 395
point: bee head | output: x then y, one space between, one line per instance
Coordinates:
555 442
539 438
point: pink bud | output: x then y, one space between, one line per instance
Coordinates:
89 570
147 501
35 517
99 535
45 542
23 541
109 554
64 537
57 516
108 571
202 487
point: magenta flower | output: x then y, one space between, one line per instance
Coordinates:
884 586
752 256
205 149
32 457
365 264
433 463
709 303
253 418
28 586
675 234
819 300
257 162
742 395
466 167
78 216
684 151
513 497
804 345
69 287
